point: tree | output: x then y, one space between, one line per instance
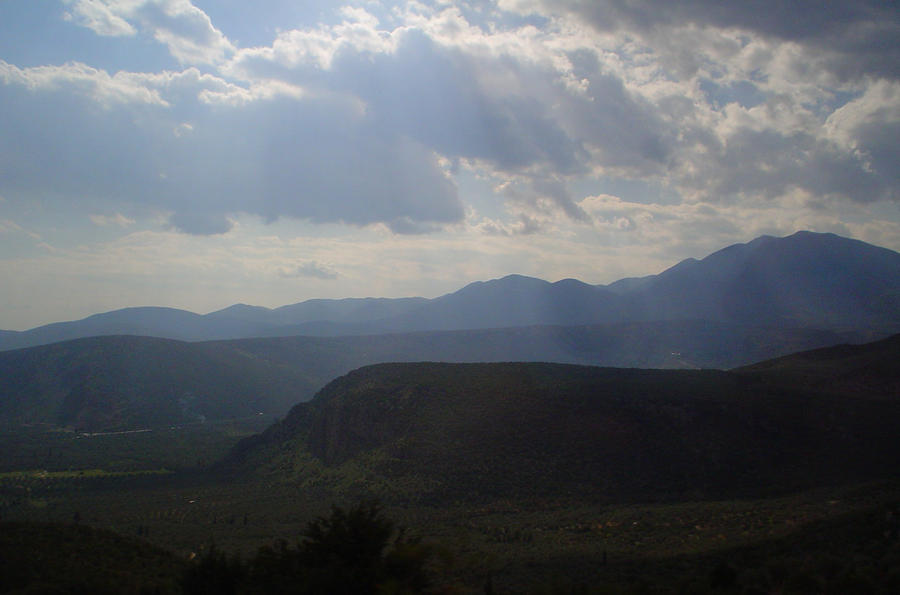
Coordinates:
352 551
214 573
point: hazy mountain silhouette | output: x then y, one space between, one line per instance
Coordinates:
807 280
514 300
129 382
342 311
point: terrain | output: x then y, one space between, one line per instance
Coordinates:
130 383
532 477
806 280
730 425
448 431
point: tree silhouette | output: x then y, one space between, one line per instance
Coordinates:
357 550
345 552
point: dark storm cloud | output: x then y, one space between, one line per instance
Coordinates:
511 112
859 37
768 163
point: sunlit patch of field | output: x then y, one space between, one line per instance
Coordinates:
42 474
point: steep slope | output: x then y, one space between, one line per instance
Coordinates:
866 370
472 430
807 279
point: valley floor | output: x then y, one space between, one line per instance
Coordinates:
846 533
145 487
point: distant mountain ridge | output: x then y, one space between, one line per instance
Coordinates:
806 280
131 382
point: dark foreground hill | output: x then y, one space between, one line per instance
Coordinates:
808 280
107 383
60 558
515 430
869 370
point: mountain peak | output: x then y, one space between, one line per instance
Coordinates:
513 281
807 279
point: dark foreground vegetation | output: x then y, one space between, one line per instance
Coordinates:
349 551
70 558
503 478
832 546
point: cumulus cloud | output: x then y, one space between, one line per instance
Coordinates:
858 37
516 104
275 155
100 17
525 225
367 120
183 28
81 79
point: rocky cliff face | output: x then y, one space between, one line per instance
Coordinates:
518 429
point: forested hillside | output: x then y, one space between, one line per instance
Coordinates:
515 429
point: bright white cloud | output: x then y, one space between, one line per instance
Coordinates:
183 28
83 80
100 17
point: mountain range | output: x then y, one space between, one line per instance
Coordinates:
806 280
130 382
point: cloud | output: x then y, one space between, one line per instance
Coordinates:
674 231
80 79
183 28
200 223
858 38
8 226
421 89
310 269
524 226
369 120
501 99
273 154
118 219
869 127
99 17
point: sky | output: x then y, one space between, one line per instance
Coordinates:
197 154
